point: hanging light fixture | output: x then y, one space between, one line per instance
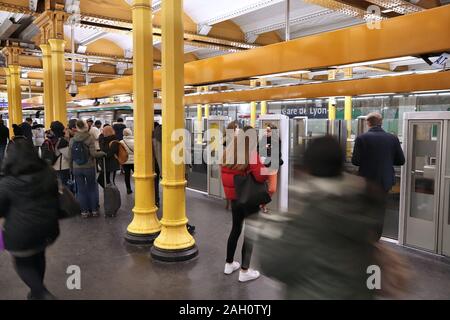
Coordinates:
73 89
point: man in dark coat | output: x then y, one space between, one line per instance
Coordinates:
4 138
27 130
376 152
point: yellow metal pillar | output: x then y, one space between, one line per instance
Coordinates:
16 91
174 243
263 82
145 225
199 120
205 89
253 107
58 80
10 104
48 85
332 100
348 74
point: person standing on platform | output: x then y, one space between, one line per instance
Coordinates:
376 152
266 144
94 132
128 143
4 139
38 132
60 142
227 139
98 125
232 166
110 146
27 130
118 127
29 203
82 155
157 158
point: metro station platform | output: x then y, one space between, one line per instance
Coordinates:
112 269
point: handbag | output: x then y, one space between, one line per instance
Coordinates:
68 204
251 193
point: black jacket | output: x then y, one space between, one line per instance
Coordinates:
118 128
376 152
4 135
29 204
111 150
27 131
322 247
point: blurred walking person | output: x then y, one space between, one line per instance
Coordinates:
4 139
82 155
322 248
230 168
29 204
376 152
128 166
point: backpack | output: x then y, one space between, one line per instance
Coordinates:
48 152
122 153
80 153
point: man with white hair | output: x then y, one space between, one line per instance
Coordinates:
376 152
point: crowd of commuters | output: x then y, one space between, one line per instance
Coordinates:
333 232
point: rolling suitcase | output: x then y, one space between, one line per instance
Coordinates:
111 196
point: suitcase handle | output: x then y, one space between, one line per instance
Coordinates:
104 171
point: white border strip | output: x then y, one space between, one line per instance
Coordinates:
389 240
198 191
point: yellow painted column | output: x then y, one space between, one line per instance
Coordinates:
263 82
10 104
58 78
332 100
348 73
174 243
199 120
205 89
145 225
16 91
48 86
253 107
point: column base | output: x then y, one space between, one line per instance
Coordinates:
174 255
140 239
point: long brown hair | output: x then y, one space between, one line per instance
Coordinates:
234 150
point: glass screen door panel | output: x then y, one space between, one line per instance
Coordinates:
424 145
446 194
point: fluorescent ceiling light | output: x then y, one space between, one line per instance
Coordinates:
367 63
387 11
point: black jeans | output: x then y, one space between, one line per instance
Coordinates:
32 271
128 168
238 213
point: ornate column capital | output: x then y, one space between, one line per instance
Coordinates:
12 52
51 24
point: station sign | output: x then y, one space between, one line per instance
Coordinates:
310 111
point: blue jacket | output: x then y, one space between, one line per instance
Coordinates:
376 152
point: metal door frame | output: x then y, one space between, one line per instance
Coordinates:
417 117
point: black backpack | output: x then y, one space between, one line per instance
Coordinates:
48 152
80 153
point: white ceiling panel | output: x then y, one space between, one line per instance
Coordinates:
204 10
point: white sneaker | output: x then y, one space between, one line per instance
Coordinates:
231 267
248 275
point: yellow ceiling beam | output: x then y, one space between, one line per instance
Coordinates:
399 84
350 45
